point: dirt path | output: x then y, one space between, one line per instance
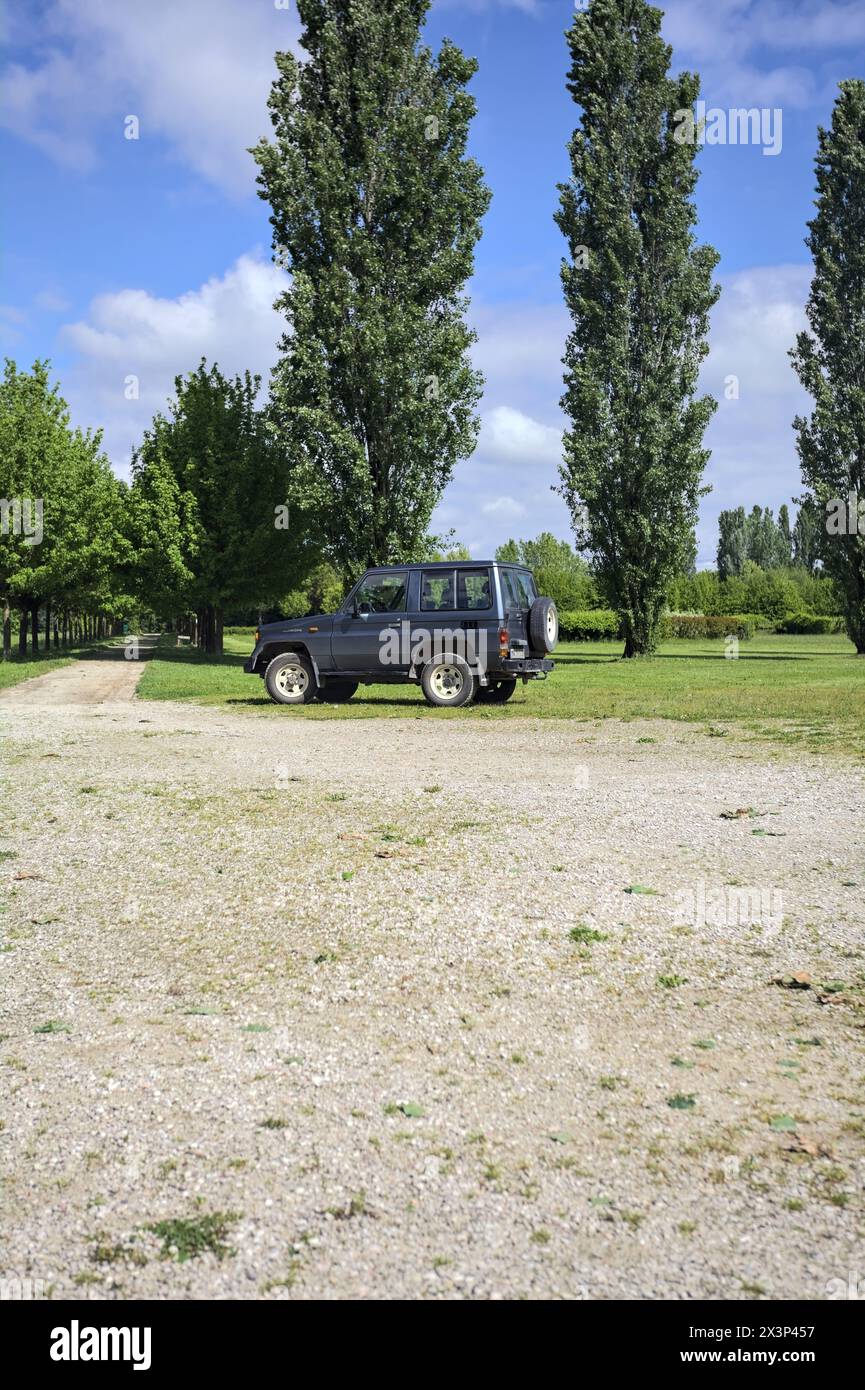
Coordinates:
414 1009
92 681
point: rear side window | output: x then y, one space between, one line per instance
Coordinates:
437 590
473 589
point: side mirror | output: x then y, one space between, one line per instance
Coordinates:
362 610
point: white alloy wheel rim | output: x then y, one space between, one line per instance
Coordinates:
291 680
552 624
447 682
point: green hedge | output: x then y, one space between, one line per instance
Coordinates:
595 625
702 625
814 623
602 625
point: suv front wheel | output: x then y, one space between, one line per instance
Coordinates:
290 680
447 681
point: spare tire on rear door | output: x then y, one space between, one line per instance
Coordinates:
543 626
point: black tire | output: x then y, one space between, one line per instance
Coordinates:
337 692
447 682
543 626
497 693
290 680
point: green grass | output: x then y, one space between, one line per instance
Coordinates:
16 668
800 690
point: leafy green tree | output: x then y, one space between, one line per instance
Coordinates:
375 212
828 357
732 545
63 538
212 525
639 290
784 544
806 535
561 574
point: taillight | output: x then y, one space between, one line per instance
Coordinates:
257 635
504 641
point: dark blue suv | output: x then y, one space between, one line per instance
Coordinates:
465 630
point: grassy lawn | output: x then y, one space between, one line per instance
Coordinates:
799 689
22 668
17 669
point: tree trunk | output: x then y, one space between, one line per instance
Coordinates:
34 629
48 626
22 629
7 629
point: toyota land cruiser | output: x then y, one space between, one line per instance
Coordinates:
466 630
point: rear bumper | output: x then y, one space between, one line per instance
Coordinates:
535 667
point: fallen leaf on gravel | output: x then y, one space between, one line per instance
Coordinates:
833 998
782 1122
800 979
560 1138
640 888
26 873
412 1110
352 835
739 813
805 1144
51 755
387 853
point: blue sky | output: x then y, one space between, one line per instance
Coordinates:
136 257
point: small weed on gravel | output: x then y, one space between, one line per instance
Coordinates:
184 1238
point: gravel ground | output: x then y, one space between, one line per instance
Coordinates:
309 991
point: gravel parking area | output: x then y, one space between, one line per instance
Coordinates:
421 1009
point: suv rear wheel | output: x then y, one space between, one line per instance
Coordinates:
448 681
497 692
290 680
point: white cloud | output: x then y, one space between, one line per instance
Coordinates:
733 44
229 320
504 507
509 435
197 75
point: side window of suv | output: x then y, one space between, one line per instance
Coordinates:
385 593
436 590
473 589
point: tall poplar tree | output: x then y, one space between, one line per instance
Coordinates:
639 290
830 359
375 213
